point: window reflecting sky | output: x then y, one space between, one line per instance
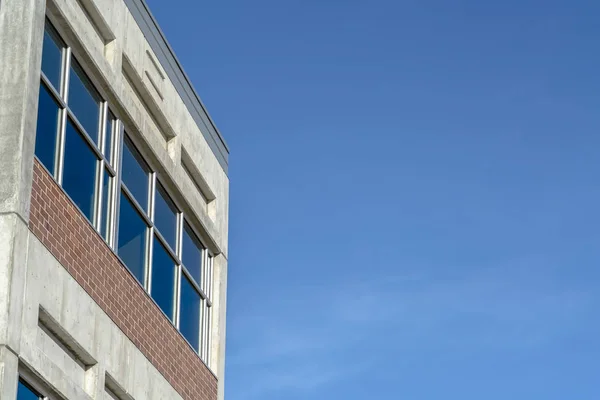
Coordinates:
189 323
79 172
52 60
192 254
84 101
132 238
47 122
165 217
24 393
135 175
163 278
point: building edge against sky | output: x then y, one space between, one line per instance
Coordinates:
113 210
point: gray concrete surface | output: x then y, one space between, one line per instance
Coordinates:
21 30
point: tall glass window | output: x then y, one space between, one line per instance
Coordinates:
79 170
52 57
84 101
164 274
133 219
192 254
135 174
47 128
132 238
165 216
164 252
189 323
70 127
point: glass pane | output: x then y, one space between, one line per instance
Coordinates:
135 174
192 253
110 122
52 58
163 279
165 216
24 393
84 101
189 321
79 171
106 181
47 126
132 238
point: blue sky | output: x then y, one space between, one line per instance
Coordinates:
415 189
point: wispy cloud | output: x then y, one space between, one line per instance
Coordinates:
310 337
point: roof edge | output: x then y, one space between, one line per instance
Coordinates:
174 70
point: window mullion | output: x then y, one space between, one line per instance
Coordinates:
117 156
100 175
102 127
62 125
204 308
66 66
60 146
149 249
152 189
178 244
150 240
209 266
208 333
98 189
202 319
205 332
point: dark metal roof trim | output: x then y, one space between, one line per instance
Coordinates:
165 54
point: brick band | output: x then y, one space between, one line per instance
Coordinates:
61 227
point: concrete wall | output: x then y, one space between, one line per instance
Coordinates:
72 345
21 29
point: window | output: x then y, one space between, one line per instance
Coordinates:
47 123
84 101
191 280
132 238
79 170
189 324
135 175
72 122
164 274
134 222
192 254
86 149
165 216
24 392
164 252
53 50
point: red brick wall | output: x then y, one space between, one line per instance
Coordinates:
60 226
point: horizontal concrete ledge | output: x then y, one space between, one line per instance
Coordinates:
165 54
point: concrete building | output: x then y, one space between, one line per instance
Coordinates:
113 210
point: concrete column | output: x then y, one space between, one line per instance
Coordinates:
21 35
9 374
